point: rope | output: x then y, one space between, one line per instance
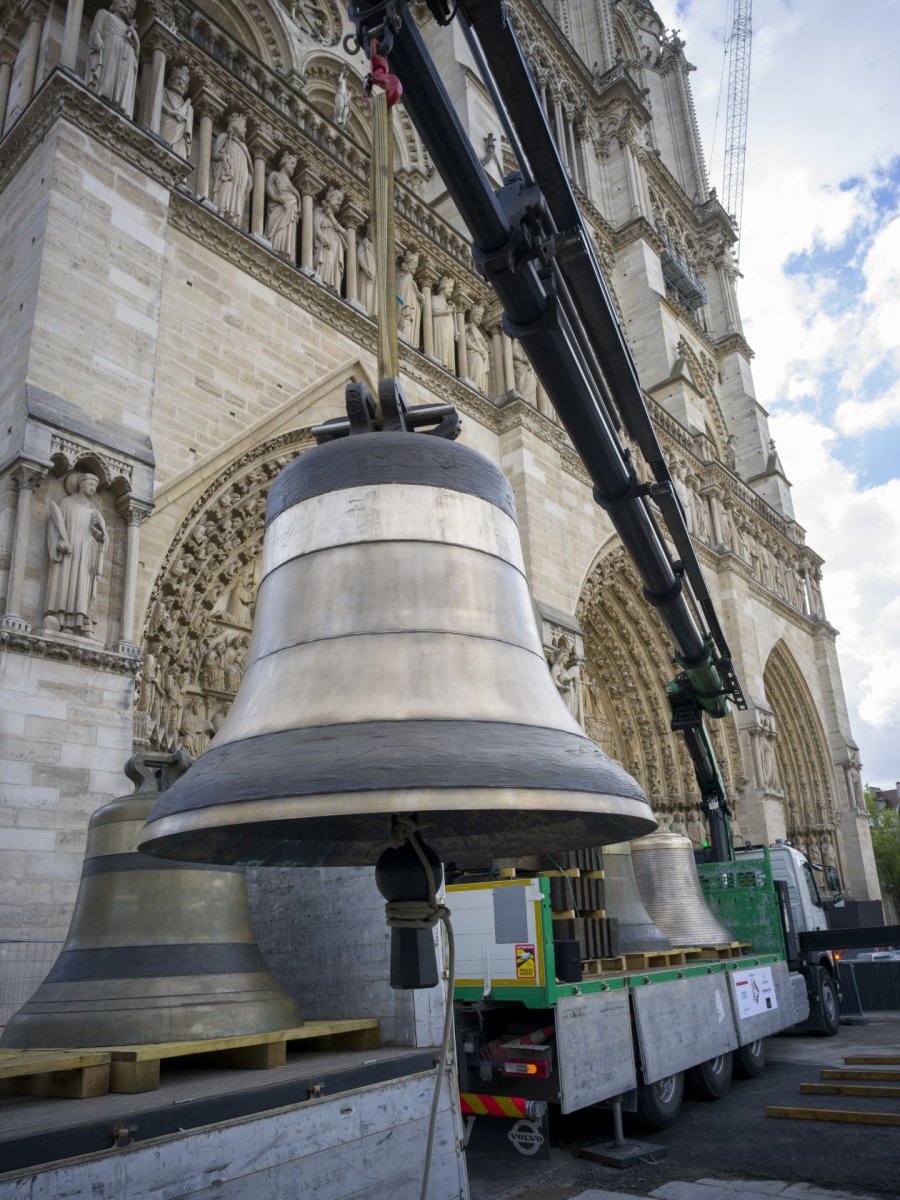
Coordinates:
425 914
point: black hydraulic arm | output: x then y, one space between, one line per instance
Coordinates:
530 243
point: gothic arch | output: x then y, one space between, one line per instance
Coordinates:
256 24
802 756
201 606
629 662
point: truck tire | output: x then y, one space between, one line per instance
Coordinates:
749 1060
829 1004
710 1080
659 1103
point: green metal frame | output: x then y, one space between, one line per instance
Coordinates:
546 996
742 895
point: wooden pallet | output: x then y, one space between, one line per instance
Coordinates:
603 966
67 1074
136 1068
846 1116
722 950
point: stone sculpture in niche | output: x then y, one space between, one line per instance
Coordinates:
365 262
696 830
409 319
565 671
113 49
194 727
526 381
232 170
330 240
443 322
177 123
284 208
342 100
477 349
77 542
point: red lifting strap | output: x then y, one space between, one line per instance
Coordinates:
379 76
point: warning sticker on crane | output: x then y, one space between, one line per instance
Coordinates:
754 991
525 961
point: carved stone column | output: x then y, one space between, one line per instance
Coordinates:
464 303
715 499
509 370
353 219
262 147
134 512
28 476
570 144
162 42
560 123
428 277
7 58
310 184
208 105
69 54
35 14
544 407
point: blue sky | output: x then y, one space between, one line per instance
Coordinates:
820 298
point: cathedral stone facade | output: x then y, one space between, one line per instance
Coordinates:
184 205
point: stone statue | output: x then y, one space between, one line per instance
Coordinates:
565 671
330 240
113 48
284 208
365 262
232 170
678 825
177 124
477 349
696 830
526 381
443 323
231 666
193 728
342 100
77 542
409 319
703 528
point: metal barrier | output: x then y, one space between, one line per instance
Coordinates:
868 986
24 965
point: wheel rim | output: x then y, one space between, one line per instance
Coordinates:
666 1088
829 1003
717 1064
754 1048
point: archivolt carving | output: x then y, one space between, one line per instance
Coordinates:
201 606
803 761
253 23
628 663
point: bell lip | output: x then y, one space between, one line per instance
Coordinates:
322 836
385 458
663 839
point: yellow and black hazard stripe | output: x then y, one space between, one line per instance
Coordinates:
471 1103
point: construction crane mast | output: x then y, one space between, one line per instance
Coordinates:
739 42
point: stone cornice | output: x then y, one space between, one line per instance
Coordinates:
62 96
97 657
732 343
728 563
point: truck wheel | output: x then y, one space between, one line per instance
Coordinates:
749 1060
710 1080
659 1103
828 1002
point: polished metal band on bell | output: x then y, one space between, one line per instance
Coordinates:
395 670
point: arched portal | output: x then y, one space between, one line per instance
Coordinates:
629 662
200 613
802 756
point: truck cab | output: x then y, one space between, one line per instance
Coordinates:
795 878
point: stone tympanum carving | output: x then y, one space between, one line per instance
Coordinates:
113 49
232 170
284 208
330 240
409 318
477 349
77 541
443 322
177 122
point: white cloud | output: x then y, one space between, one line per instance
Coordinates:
827 360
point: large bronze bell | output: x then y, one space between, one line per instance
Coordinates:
156 951
623 901
667 879
395 671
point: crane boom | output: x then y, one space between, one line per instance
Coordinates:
531 244
739 45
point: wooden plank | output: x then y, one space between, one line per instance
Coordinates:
840 1073
845 1116
64 1074
15 1063
873 1060
889 1090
